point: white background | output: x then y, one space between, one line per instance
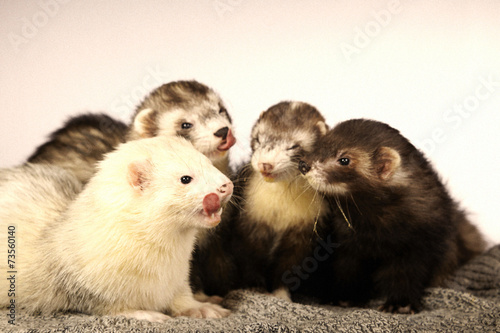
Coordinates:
429 68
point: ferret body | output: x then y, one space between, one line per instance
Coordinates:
398 229
184 108
273 228
121 246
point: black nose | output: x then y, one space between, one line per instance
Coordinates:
304 167
222 133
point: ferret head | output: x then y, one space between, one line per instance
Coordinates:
188 109
281 135
356 156
162 183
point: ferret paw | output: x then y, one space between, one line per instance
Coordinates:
398 309
202 297
206 310
152 316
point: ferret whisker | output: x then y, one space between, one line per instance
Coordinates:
337 201
355 204
315 225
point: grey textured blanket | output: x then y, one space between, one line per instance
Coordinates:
470 303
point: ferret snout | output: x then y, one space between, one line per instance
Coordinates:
226 189
222 133
265 167
304 167
228 139
212 202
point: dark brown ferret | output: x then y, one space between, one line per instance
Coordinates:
397 227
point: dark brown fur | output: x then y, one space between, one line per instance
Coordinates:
81 143
402 232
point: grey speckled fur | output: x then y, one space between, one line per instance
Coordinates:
471 303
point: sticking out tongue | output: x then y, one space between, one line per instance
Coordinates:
211 208
228 142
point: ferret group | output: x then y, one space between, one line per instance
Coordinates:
122 245
117 219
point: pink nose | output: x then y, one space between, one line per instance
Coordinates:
266 167
226 189
211 204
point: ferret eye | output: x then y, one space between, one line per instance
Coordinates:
186 179
344 161
222 110
293 147
186 125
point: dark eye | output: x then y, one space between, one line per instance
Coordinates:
186 179
293 147
222 110
344 161
186 125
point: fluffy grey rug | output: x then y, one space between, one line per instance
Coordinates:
470 303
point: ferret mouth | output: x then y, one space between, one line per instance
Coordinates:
227 142
272 177
268 177
211 219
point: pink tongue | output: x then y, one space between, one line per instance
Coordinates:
211 204
230 141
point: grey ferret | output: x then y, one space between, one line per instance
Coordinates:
273 227
121 246
184 108
398 229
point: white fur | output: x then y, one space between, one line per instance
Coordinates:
117 250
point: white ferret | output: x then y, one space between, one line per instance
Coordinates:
123 246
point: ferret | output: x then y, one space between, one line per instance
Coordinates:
122 246
274 226
184 108
398 229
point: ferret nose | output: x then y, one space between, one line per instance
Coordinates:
226 189
304 167
222 133
266 167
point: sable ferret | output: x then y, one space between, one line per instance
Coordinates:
276 215
121 246
398 229
184 108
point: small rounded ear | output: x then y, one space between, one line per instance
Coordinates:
322 126
139 175
387 161
145 123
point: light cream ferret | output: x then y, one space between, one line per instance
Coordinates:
123 246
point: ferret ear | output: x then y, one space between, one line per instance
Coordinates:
322 126
387 162
138 175
145 123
